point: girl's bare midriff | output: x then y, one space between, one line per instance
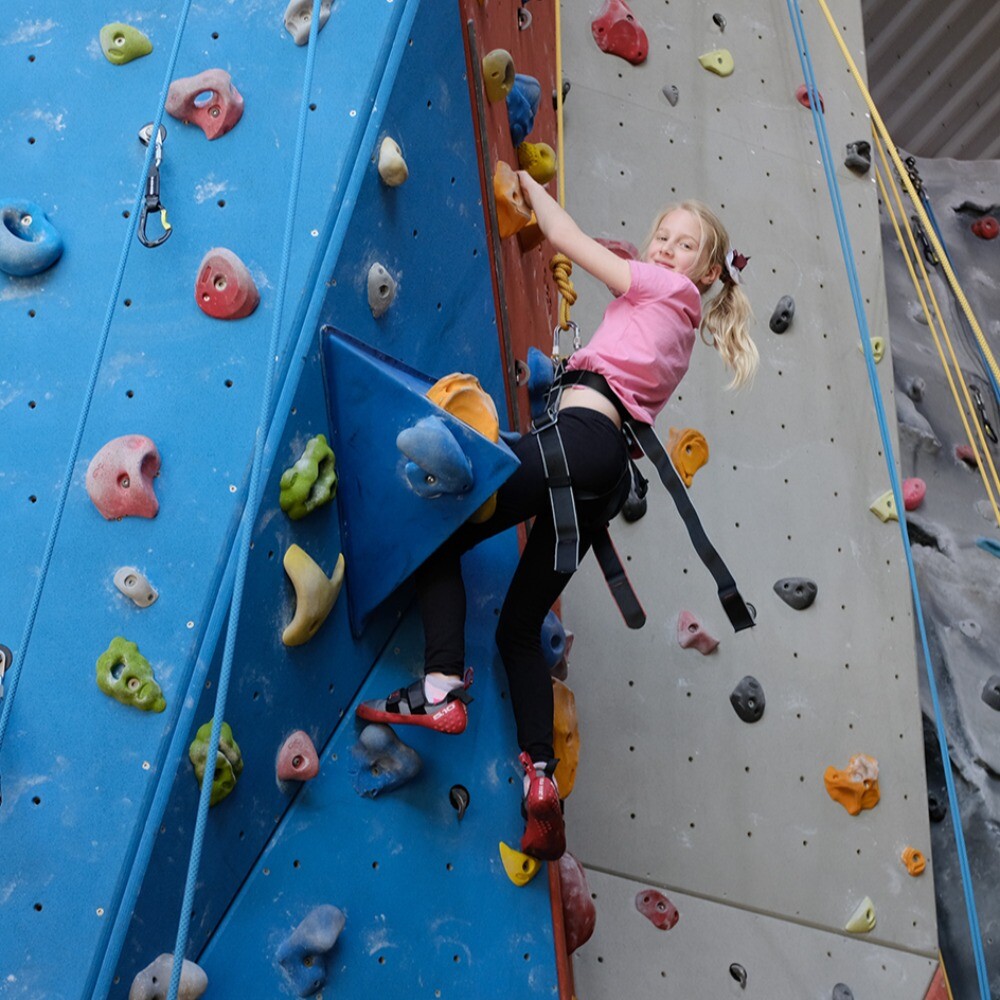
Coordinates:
590 399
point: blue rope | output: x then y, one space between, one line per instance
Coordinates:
247 521
20 653
852 274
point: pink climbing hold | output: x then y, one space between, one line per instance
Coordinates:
224 287
208 100
120 478
914 491
621 248
579 913
653 904
964 453
691 634
986 228
297 758
802 96
616 31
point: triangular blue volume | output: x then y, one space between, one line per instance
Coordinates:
386 528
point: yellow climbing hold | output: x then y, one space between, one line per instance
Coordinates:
863 918
914 860
498 74
539 159
878 348
884 508
566 737
520 868
315 594
688 451
718 61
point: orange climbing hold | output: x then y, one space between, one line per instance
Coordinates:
688 451
566 737
513 213
616 31
914 860
856 787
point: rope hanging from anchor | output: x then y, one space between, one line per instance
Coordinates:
562 267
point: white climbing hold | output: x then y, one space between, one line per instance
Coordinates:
381 289
391 165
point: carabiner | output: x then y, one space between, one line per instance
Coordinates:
557 354
152 199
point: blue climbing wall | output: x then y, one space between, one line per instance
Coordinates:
99 799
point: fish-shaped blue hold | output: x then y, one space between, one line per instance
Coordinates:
522 106
305 954
437 465
382 761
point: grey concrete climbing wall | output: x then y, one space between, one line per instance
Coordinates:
958 579
674 790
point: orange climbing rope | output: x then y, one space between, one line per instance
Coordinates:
561 265
935 321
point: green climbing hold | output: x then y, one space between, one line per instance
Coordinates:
311 481
125 674
228 761
121 43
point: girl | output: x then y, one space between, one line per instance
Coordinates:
642 349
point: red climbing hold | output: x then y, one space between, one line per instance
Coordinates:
579 913
621 248
616 31
691 633
224 288
802 96
986 228
297 758
120 477
653 904
914 490
964 453
208 100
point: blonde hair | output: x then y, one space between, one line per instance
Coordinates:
725 322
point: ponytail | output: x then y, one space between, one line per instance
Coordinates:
725 325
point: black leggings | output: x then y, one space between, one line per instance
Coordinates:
598 463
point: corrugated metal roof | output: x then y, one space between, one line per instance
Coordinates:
934 73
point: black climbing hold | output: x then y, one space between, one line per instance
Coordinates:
635 505
936 809
458 796
721 22
672 94
914 387
555 97
748 699
859 156
781 318
991 692
842 992
736 970
796 591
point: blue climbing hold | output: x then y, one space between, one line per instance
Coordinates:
382 761
437 464
29 243
522 106
305 953
990 545
540 374
553 640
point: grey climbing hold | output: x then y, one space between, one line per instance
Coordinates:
134 585
859 156
298 17
936 809
736 970
152 983
796 591
748 699
305 954
970 628
842 992
781 318
672 94
381 761
381 289
458 796
915 387
555 97
721 22
991 692
523 18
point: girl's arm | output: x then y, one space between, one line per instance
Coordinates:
567 237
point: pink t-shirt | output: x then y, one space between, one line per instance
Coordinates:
643 345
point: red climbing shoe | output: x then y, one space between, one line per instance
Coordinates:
544 831
409 707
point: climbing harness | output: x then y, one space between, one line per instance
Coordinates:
151 202
638 435
805 59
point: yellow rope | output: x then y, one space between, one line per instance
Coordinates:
932 323
879 125
561 265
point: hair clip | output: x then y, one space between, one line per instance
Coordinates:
735 262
